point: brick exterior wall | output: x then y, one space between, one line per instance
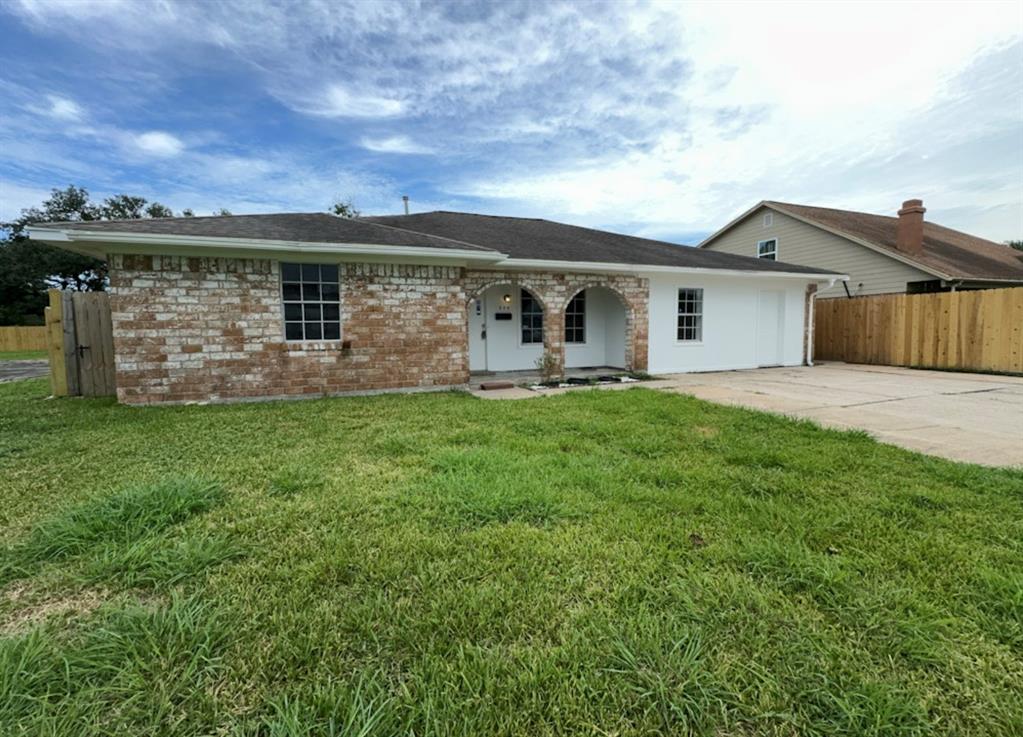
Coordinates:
211 329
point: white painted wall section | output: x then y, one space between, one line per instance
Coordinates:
731 319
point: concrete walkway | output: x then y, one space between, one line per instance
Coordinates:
13 370
975 418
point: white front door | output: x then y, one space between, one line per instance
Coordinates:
478 334
770 328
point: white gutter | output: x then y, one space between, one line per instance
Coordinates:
600 266
100 243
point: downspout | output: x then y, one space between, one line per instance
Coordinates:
812 307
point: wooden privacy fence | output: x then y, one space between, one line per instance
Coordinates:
976 330
22 338
80 341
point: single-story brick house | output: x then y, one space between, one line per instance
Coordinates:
281 305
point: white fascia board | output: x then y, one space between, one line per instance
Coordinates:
99 243
635 269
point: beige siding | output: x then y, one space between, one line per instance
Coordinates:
798 243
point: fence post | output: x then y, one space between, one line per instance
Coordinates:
55 344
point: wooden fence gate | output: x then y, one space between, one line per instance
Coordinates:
972 331
81 344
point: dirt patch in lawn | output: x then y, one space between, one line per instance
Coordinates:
28 608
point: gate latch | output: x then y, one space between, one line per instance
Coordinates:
81 350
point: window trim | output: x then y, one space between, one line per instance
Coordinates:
768 240
298 343
580 293
700 314
543 320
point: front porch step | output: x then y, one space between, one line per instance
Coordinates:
488 386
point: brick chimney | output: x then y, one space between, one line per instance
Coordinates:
909 233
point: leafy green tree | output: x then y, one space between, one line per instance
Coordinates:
28 268
1018 245
124 207
222 212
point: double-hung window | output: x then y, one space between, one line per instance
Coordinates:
575 319
312 301
768 249
690 315
531 317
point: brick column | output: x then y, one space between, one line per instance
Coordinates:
554 333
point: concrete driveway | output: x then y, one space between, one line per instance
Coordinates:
965 417
12 370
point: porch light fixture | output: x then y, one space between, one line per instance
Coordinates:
506 299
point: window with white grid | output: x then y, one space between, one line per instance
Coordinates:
690 315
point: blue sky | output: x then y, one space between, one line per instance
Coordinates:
658 119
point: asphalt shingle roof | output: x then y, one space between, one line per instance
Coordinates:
544 240
948 251
520 238
312 227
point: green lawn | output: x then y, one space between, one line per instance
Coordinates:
23 355
599 563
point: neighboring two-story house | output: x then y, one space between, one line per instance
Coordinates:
880 254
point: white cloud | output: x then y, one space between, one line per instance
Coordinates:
158 143
64 109
337 102
669 116
835 106
394 145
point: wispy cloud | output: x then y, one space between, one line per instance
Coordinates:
158 143
657 117
394 145
61 108
338 102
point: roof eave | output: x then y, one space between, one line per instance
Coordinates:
102 243
604 267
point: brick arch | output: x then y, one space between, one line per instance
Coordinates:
555 289
635 332
474 291
576 289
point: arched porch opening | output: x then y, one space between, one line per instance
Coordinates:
506 324
598 329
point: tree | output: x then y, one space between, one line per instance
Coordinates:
124 207
156 210
28 268
1018 245
344 209
222 212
